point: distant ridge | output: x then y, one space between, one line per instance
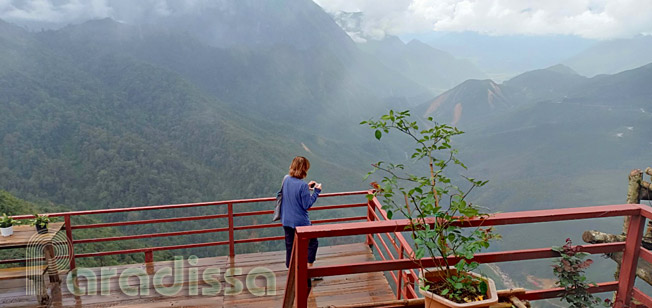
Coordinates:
430 67
474 99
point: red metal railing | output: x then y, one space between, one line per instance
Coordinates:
376 227
148 251
395 257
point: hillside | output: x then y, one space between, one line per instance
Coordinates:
613 56
432 68
106 114
11 205
557 153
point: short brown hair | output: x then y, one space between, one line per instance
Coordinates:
299 167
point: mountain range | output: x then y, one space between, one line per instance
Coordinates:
113 114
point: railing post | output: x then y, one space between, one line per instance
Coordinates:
399 285
71 246
630 259
149 256
301 272
409 281
231 237
370 217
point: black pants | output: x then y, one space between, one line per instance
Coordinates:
289 241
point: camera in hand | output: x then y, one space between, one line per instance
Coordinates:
312 185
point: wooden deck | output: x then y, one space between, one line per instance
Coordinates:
337 290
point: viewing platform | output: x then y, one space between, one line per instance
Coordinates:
367 262
331 291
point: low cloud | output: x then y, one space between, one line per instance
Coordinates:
593 19
56 13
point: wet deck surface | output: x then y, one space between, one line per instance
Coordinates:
203 284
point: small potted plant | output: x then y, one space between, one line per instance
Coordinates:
6 225
41 222
436 208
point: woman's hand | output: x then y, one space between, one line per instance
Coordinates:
318 186
311 184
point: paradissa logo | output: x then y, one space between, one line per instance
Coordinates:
170 280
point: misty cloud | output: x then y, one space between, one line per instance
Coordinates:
594 19
57 13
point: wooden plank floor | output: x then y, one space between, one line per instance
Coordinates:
346 289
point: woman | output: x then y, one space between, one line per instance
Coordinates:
295 204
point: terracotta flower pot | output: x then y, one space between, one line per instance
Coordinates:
433 300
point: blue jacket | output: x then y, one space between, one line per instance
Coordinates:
296 202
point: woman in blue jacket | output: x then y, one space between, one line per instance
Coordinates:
296 201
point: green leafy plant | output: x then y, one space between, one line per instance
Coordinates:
40 221
435 206
569 270
6 221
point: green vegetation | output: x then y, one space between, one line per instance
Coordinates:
6 221
16 206
569 269
431 194
41 221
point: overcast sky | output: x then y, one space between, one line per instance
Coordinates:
594 19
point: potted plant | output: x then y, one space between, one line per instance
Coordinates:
41 222
435 207
6 225
569 270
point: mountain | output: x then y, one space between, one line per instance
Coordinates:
557 153
504 56
95 127
470 99
305 85
432 68
543 84
474 99
613 56
106 114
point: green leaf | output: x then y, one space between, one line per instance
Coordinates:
419 253
378 134
483 287
390 214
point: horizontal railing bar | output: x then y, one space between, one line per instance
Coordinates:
181 205
189 232
141 250
399 225
489 257
165 220
260 239
276 225
645 299
646 211
139 236
557 292
254 213
339 206
646 255
148 221
316 208
9 261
